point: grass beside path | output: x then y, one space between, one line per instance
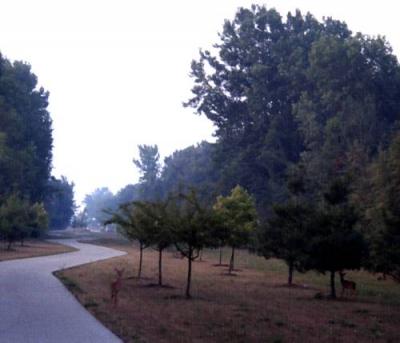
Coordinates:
32 248
253 306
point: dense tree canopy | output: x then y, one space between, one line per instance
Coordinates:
283 90
25 132
59 202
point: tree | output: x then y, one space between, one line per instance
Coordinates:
18 218
335 244
158 228
25 131
192 167
380 202
193 226
59 202
286 235
132 223
149 168
237 212
277 90
96 203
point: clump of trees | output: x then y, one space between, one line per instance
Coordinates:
306 116
30 198
183 221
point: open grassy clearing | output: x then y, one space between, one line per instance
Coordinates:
32 248
254 306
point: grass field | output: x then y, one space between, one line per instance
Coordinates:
32 248
253 306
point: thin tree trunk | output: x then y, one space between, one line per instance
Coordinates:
290 278
189 275
160 267
9 245
201 255
220 256
140 261
232 261
333 289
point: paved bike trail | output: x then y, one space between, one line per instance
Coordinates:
36 308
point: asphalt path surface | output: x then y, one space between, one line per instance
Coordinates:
36 307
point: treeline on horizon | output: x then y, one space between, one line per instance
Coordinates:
306 115
31 200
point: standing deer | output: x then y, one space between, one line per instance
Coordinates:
116 286
347 284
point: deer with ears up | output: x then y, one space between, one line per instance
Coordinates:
347 284
116 286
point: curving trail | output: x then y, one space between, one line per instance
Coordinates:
35 307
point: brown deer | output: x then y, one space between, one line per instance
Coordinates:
347 284
116 286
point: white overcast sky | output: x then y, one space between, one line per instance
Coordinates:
117 71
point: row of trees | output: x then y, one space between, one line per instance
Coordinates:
184 222
26 186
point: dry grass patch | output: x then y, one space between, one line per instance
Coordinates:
32 248
254 306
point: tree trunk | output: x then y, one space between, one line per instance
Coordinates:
201 255
290 278
140 261
220 256
9 245
189 275
333 289
232 261
160 267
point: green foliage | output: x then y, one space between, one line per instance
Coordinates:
286 234
382 211
238 214
25 133
59 202
334 243
192 167
193 226
149 168
18 219
283 91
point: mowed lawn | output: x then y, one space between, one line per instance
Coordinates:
255 305
32 248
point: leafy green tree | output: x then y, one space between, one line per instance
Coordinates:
158 228
149 168
280 91
286 235
18 218
25 132
132 222
237 212
193 226
381 199
335 244
192 167
59 202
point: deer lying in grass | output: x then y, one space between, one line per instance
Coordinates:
347 284
116 286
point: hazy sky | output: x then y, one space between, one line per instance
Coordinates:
117 71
